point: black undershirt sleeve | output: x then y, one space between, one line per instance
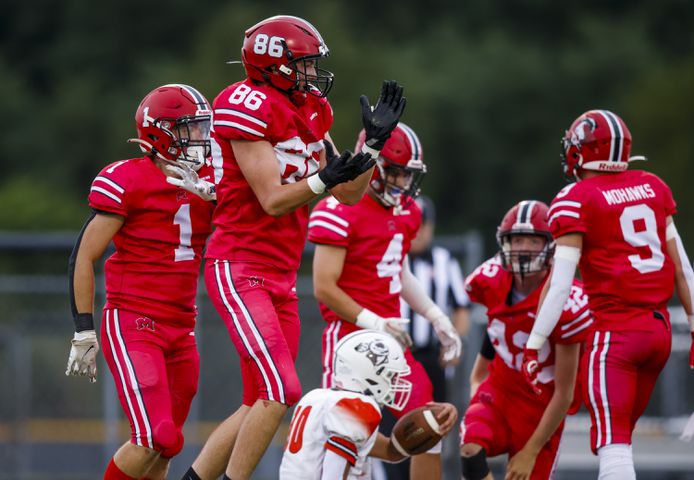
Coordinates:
487 349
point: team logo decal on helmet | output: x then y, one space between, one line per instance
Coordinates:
173 124
376 351
597 140
528 217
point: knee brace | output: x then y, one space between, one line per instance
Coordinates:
475 467
168 439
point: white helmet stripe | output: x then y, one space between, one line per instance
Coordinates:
525 211
414 141
616 135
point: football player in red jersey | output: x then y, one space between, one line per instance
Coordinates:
147 325
616 226
509 285
360 270
272 155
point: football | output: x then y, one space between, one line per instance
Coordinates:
417 431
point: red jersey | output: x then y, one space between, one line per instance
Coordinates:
250 112
155 268
624 263
377 240
510 325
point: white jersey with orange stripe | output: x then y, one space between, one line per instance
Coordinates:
343 423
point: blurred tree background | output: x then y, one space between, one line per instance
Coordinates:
491 87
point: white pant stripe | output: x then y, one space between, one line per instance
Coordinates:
121 377
239 330
131 386
591 393
603 391
328 355
133 379
254 330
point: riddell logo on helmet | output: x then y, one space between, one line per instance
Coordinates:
611 167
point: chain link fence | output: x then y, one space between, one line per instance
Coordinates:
55 427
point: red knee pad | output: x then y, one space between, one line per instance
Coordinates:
168 439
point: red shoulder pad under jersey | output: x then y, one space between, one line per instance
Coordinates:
664 190
354 419
416 216
330 223
244 111
326 118
567 211
111 188
206 172
486 282
575 320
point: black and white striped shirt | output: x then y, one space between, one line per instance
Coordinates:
441 278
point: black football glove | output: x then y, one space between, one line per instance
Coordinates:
344 168
380 120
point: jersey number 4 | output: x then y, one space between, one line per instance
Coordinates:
390 264
640 229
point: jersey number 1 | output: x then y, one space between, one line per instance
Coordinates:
182 219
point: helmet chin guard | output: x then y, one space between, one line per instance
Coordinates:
528 217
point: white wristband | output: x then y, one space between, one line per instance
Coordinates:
368 320
316 184
371 151
434 313
535 341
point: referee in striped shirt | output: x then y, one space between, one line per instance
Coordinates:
439 274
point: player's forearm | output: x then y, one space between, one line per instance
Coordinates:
286 198
380 450
84 285
561 278
413 293
337 300
551 419
461 321
350 193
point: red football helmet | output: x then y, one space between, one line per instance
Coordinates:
597 140
528 217
401 157
173 123
274 48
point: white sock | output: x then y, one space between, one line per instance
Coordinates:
616 462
